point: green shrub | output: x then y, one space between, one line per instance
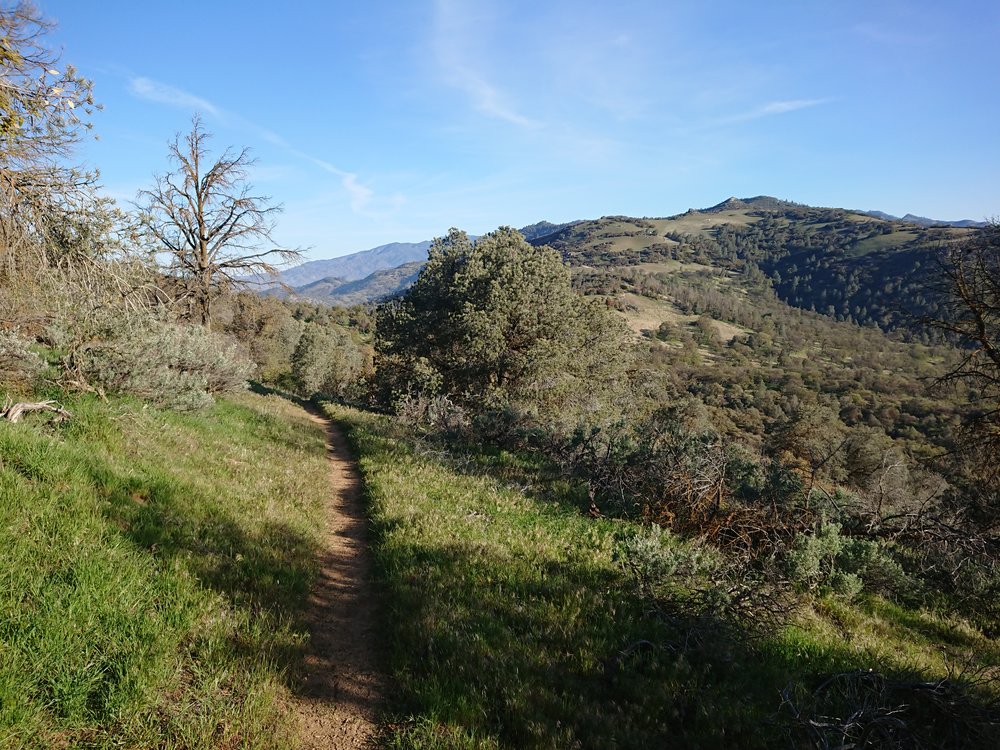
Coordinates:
693 584
180 366
658 560
326 361
830 563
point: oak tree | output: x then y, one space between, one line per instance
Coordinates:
970 314
44 112
495 323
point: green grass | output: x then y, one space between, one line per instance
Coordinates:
154 566
506 614
882 242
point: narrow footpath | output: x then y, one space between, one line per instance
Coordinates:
338 701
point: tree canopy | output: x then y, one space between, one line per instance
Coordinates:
970 287
496 323
44 110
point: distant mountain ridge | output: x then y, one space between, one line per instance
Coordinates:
925 222
355 266
824 249
369 275
376 286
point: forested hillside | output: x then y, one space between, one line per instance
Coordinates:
846 265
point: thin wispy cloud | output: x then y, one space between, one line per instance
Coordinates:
273 138
162 93
452 25
771 109
487 98
360 197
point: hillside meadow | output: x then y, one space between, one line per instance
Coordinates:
513 619
155 567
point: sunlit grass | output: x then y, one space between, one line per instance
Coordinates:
154 565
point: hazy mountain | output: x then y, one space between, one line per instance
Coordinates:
355 266
924 221
376 286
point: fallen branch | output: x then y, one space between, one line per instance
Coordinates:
14 412
863 708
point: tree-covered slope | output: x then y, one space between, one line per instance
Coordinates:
851 265
841 263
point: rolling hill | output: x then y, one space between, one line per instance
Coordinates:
376 286
865 267
925 222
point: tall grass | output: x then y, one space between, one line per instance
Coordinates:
153 569
511 622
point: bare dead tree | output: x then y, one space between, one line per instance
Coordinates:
206 218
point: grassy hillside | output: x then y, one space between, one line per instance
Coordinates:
844 264
153 568
515 621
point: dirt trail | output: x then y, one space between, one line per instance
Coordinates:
339 697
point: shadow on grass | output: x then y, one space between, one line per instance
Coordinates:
517 653
560 656
264 575
500 644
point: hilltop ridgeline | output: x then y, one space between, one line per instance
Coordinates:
868 267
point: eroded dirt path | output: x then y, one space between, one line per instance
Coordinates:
339 698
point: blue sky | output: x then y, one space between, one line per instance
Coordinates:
382 121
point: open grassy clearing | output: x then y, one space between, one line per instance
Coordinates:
882 242
670 266
698 222
155 565
647 314
512 624
624 244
